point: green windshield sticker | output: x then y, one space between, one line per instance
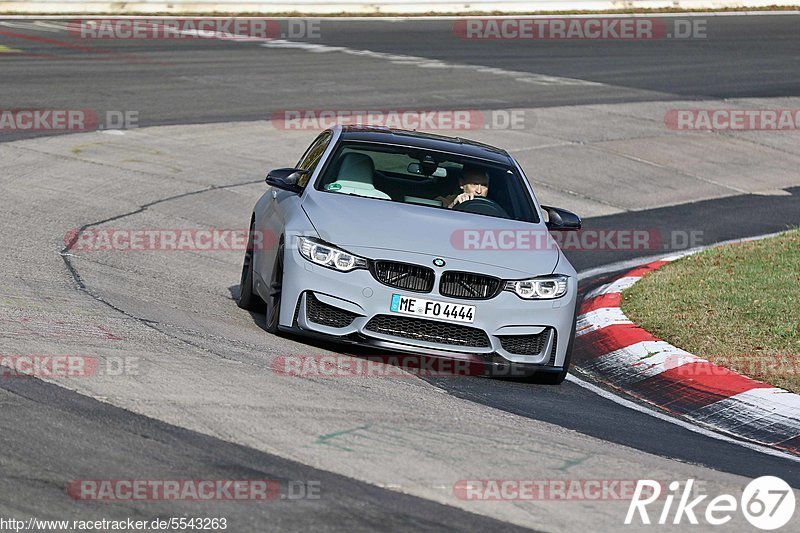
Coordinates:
334 186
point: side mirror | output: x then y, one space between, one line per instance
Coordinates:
561 219
286 179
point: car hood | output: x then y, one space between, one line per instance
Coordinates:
360 224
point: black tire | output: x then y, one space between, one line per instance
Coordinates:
248 299
273 306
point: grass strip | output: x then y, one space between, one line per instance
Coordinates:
737 306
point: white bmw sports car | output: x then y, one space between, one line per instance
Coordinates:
418 243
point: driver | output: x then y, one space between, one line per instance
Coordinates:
474 183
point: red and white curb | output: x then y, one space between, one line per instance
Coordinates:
630 359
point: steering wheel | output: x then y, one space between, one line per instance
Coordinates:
481 206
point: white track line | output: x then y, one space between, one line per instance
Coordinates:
53 25
400 59
426 62
31 26
678 422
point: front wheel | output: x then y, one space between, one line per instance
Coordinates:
248 299
275 288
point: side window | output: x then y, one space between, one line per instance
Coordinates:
312 156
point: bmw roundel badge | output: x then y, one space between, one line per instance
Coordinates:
439 262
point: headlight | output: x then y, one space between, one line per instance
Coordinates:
326 255
542 288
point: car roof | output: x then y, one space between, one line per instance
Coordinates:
424 140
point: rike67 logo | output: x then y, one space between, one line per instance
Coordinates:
767 503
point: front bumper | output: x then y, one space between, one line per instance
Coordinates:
354 307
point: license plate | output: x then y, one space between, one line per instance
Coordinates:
407 305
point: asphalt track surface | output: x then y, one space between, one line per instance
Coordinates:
199 81
52 434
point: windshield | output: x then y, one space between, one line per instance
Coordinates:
428 178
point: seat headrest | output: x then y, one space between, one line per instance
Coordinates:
357 168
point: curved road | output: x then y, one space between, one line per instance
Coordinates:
200 398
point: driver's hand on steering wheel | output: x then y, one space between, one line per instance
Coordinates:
463 197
